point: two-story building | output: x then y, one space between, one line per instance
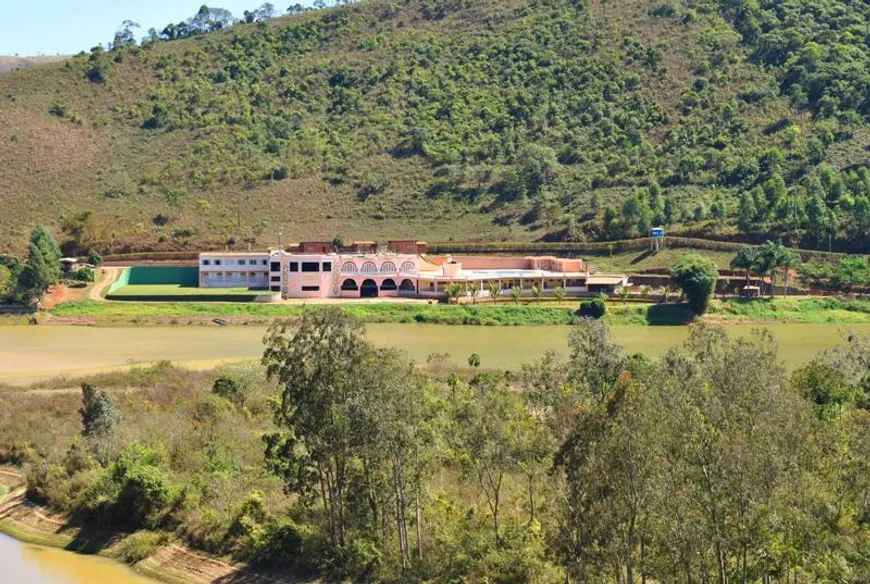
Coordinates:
318 270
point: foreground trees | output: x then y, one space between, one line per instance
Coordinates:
710 464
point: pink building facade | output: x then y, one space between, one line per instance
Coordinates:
369 275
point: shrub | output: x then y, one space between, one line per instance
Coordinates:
84 274
95 258
139 546
594 308
696 277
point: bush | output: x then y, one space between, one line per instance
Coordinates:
696 276
95 258
84 274
139 546
594 308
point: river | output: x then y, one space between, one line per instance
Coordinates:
23 563
29 354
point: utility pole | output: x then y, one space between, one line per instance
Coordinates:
281 239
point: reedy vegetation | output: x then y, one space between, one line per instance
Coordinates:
572 119
707 465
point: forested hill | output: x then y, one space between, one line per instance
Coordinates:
471 119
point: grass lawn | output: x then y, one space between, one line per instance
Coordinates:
179 290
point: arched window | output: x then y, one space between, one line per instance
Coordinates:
348 268
409 268
349 285
388 268
369 268
388 284
407 286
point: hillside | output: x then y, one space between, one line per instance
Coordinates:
8 63
465 119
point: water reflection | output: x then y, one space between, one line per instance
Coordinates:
22 563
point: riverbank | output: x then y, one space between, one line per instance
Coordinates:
834 310
166 561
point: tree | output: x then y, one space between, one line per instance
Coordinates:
42 268
484 440
125 35
474 290
624 293
559 293
771 257
536 166
696 276
95 258
454 291
789 261
494 290
645 292
321 370
537 292
7 283
746 260
516 293
100 418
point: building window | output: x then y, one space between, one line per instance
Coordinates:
388 268
276 278
217 262
266 263
276 266
409 268
206 262
294 266
276 288
327 266
311 288
348 268
369 268
310 267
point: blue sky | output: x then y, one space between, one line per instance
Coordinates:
49 27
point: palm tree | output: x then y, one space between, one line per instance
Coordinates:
516 293
746 260
454 291
623 293
645 291
474 290
559 293
789 261
494 290
537 292
770 257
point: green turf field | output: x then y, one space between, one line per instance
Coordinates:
181 290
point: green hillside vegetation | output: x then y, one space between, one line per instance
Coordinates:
465 119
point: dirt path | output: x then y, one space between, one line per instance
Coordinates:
109 277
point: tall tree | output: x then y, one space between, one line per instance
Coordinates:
42 268
696 276
100 418
321 370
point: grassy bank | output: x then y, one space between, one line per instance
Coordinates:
797 310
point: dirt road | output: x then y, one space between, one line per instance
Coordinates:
109 277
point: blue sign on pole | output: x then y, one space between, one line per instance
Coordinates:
657 232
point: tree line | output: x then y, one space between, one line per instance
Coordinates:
710 464
209 19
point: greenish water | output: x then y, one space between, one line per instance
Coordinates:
23 563
33 353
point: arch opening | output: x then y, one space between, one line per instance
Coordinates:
369 289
